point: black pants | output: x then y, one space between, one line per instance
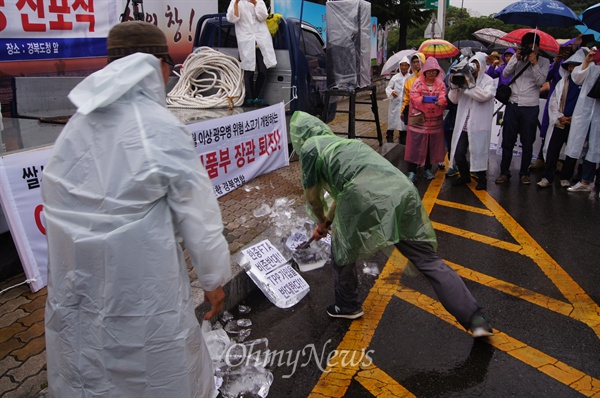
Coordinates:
518 121
558 139
254 89
448 285
461 161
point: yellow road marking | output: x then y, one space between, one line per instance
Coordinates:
584 308
335 380
380 384
460 206
477 237
537 359
514 290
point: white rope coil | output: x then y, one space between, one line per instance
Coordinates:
219 72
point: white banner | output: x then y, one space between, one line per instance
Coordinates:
235 149
20 180
248 145
51 29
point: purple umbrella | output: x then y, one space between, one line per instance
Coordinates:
538 13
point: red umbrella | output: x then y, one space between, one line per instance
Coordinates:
547 42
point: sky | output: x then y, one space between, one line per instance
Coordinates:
478 8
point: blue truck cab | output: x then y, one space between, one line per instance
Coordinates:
300 75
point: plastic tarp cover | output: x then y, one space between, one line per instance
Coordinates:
376 205
348 43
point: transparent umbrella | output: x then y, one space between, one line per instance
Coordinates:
392 63
492 36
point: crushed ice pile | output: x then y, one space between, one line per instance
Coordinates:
240 366
290 230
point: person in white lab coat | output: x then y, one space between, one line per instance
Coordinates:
395 93
561 105
585 126
123 187
472 129
255 45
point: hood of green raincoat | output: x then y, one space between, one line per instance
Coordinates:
104 87
304 126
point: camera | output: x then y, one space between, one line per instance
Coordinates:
460 72
525 51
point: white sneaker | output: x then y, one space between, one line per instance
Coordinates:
565 183
544 183
579 187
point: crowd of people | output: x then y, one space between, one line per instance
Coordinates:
441 114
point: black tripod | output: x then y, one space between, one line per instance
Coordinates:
137 14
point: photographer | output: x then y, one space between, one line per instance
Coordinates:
521 116
475 99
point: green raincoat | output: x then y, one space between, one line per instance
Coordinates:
376 205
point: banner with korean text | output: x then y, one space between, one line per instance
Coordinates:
21 198
233 149
48 30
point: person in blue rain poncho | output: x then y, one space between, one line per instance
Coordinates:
374 206
123 187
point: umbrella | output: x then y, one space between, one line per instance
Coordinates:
392 63
588 31
472 44
536 13
591 19
438 48
547 42
492 36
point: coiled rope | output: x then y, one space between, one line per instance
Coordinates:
219 72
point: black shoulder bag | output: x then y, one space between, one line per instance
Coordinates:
503 92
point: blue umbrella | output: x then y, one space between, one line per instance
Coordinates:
588 31
591 18
538 13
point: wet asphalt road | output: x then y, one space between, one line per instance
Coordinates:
528 255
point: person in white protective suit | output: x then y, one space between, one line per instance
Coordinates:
395 93
561 105
585 125
123 187
472 129
255 45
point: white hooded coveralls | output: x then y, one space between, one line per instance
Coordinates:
397 84
251 30
586 116
480 100
123 185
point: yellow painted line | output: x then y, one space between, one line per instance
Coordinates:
558 370
460 206
336 379
334 382
584 308
463 233
433 191
380 384
546 302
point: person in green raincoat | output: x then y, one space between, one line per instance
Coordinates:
374 206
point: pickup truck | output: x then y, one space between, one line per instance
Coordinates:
301 61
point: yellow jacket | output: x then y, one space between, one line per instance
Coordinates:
409 82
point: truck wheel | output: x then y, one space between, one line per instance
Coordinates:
10 265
